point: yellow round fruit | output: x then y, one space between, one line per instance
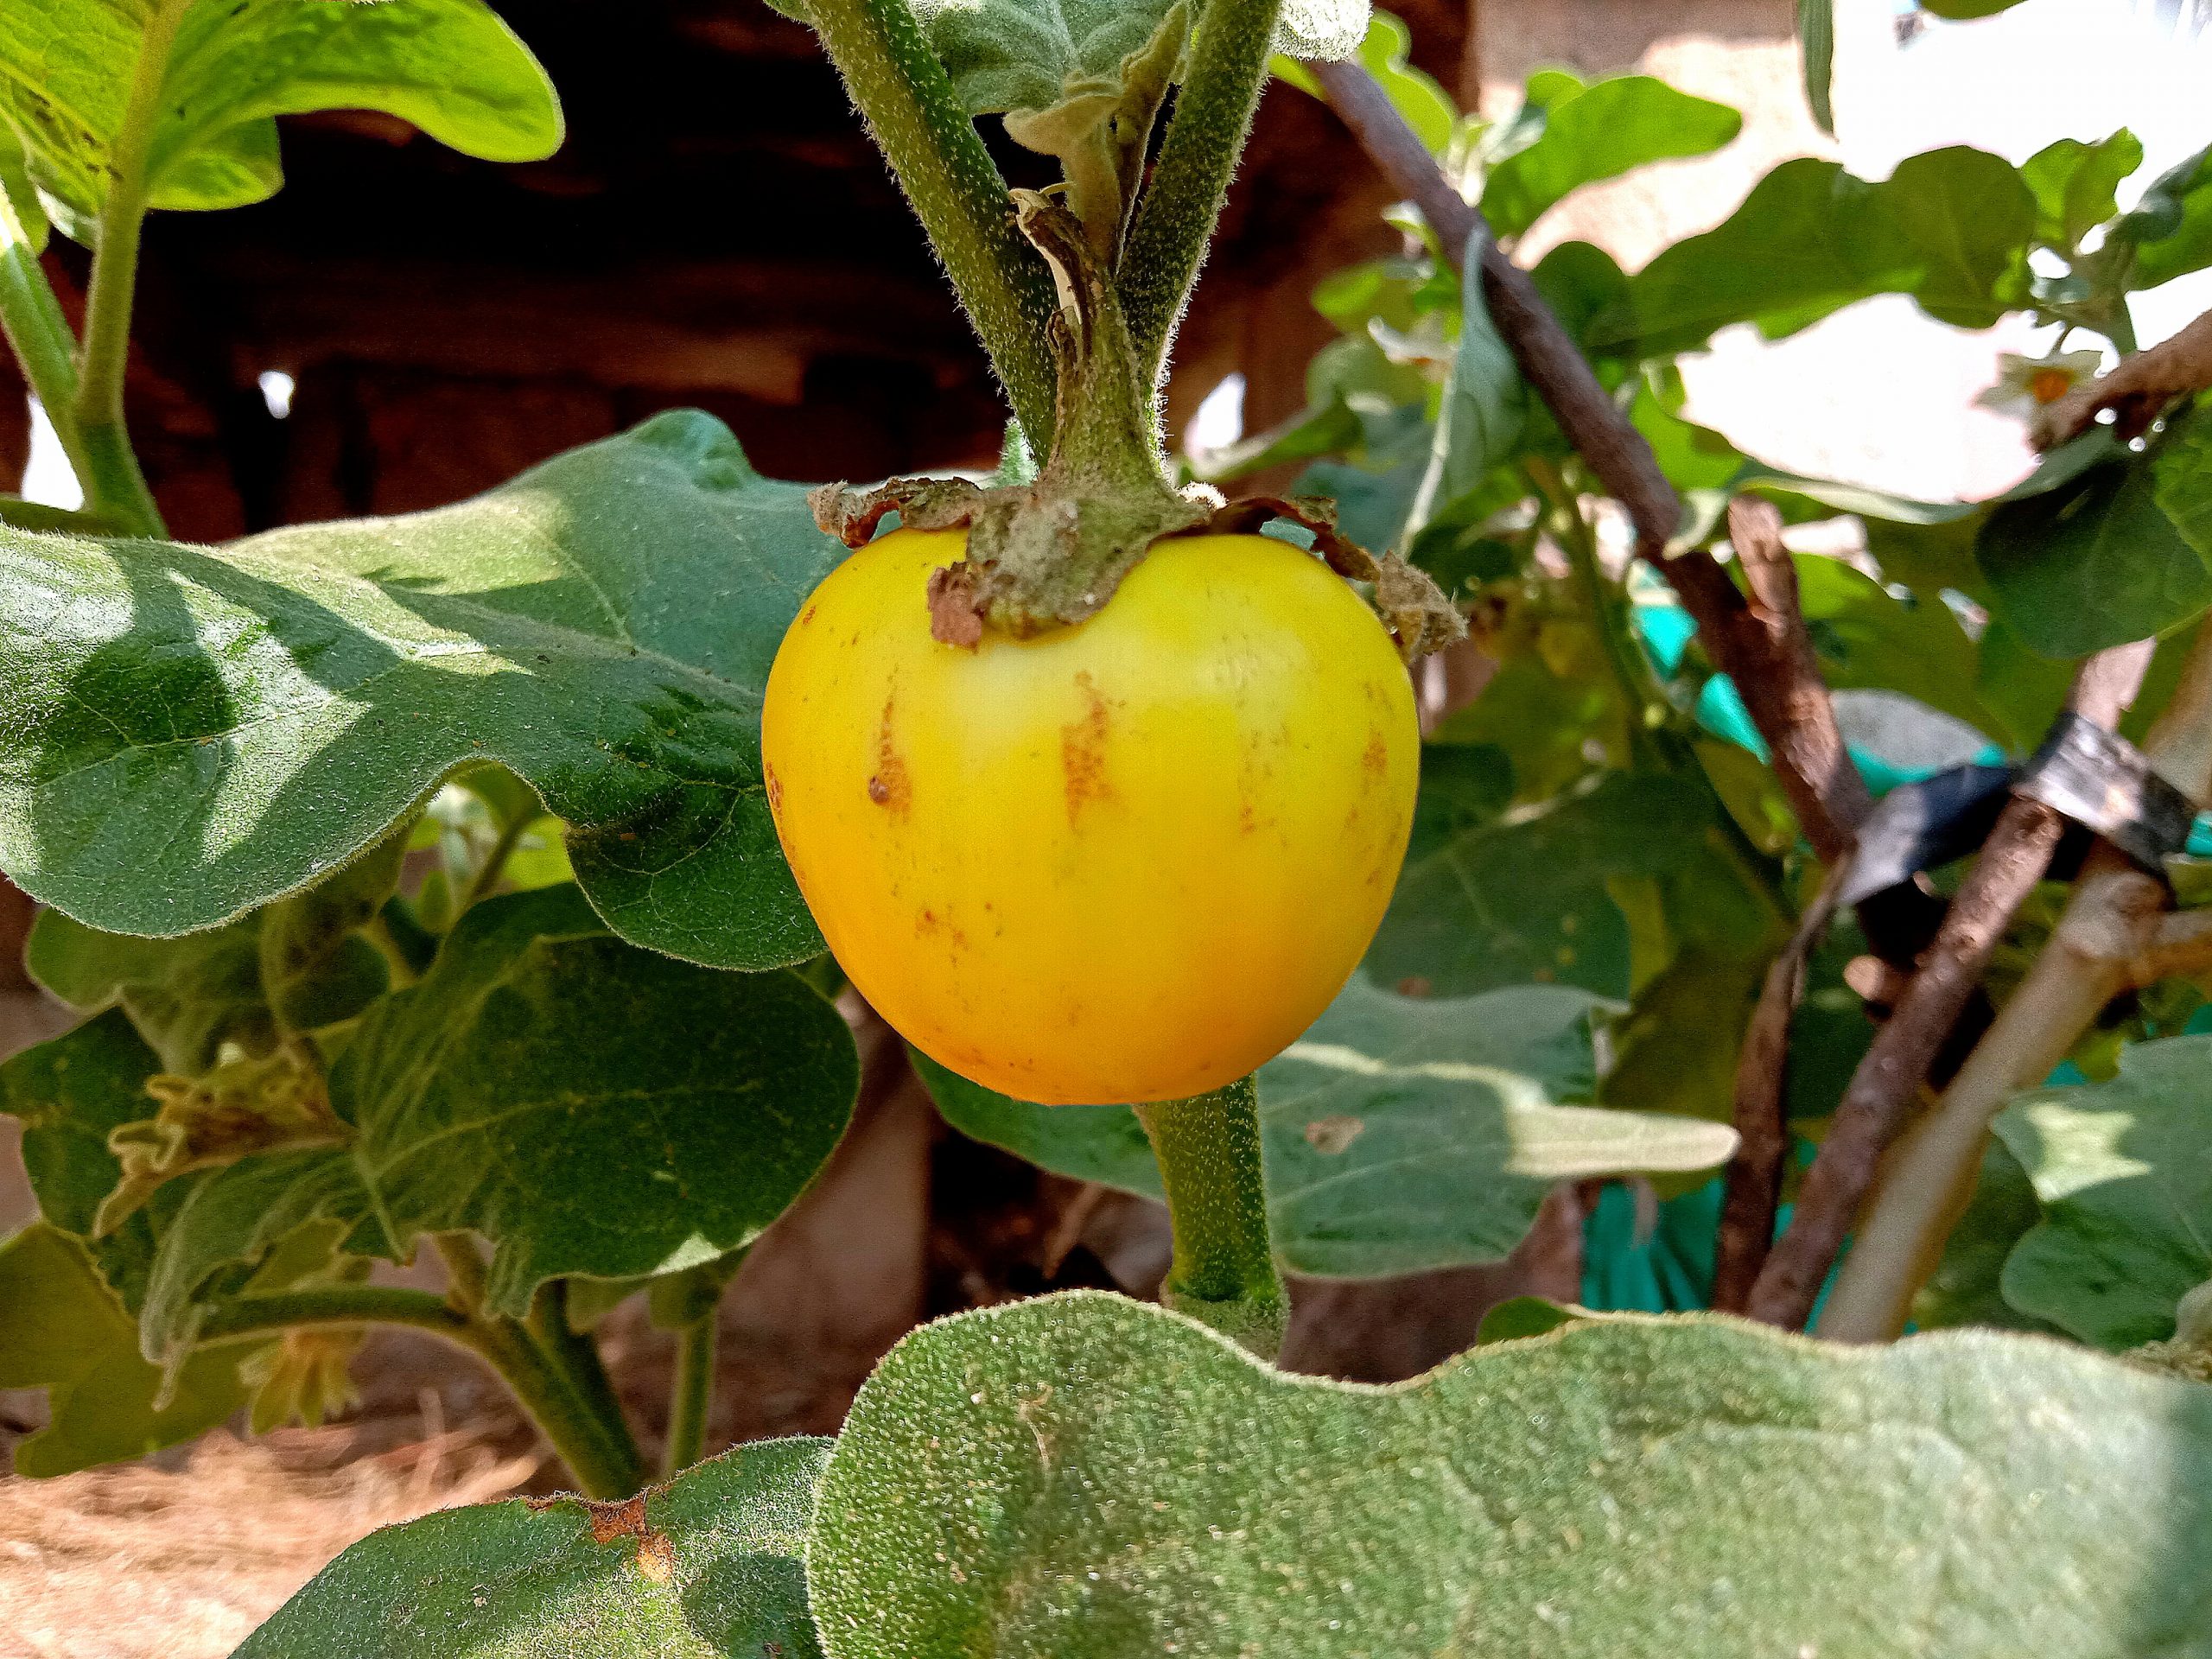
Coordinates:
1127 860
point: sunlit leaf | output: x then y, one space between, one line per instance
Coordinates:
194 731
1084 1476
708 1566
449 67
1399 1133
2124 1170
66 1331
1607 129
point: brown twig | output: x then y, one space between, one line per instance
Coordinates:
1877 1102
2139 387
1787 700
2110 925
1752 1194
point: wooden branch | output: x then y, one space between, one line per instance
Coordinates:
2139 387
2111 923
2180 948
1753 1189
1787 700
1883 1090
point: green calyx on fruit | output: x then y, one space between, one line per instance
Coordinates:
1053 551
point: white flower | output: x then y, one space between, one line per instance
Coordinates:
2025 385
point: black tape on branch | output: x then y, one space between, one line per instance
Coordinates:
2106 785
1925 825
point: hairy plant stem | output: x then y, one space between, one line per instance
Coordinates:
956 190
691 1396
572 1405
329 1305
2090 957
1223 1268
39 335
114 487
1224 73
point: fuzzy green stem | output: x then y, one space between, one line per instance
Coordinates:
957 192
602 1458
587 1430
691 1396
1223 1268
1222 78
114 487
38 334
495 864
328 1305
576 1356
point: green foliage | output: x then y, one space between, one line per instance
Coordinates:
66 1332
2126 1184
527 1089
2169 234
2075 186
708 1566
202 730
188 996
2097 561
1950 227
1400 1133
449 66
1601 131
1527 898
1082 1475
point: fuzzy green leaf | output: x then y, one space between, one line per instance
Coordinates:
1485 402
1526 899
587 1107
67 1094
2124 1170
2092 563
1082 1475
1400 1133
2182 477
194 731
188 996
449 66
710 1569
1609 128
66 1333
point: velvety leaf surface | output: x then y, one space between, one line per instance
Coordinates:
449 66
64 1331
1031 55
1399 1134
2124 1170
707 1564
1084 1476
1600 132
587 1107
67 1094
188 996
1407 1133
188 731
1525 898
2092 563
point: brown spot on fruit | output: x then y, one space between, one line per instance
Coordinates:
925 923
890 787
775 790
1083 751
806 616
1374 759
